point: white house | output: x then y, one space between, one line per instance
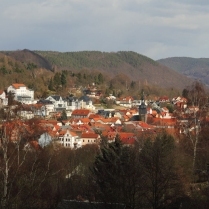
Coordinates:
69 139
125 101
3 98
86 103
21 93
57 101
72 103
43 108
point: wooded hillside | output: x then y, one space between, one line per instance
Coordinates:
196 68
124 72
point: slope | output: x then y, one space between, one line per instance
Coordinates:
137 67
196 68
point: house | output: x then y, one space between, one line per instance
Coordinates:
59 103
25 114
3 98
80 113
72 103
126 138
180 102
86 103
21 93
125 101
43 108
164 99
90 138
69 139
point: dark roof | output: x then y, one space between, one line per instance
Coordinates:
72 204
44 101
55 97
71 99
135 118
85 98
23 96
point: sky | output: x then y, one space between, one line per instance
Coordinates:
155 28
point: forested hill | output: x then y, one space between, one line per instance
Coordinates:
38 69
196 68
136 66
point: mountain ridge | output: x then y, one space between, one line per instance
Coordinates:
37 68
195 68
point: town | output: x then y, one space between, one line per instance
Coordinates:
74 123
81 123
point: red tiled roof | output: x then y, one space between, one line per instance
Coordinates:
127 138
85 120
81 112
18 85
163 98
63 132
145 125
82 127
126 98
93 116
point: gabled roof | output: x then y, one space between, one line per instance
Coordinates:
82 127
18 85
44 101
92 116
127 138
82 112
56 97
163 98
63 132
85 120
90 135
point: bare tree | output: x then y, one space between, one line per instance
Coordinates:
190 119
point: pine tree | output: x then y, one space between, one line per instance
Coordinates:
160 173
63 79
50 87
115 170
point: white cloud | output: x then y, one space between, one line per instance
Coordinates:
154 28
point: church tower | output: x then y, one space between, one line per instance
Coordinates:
143 109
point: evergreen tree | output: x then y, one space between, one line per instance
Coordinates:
116 173
100 78
50 86
57 80
160 173
63 79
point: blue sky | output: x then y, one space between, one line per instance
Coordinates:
155 28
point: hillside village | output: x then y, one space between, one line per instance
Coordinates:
74 122
79 145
